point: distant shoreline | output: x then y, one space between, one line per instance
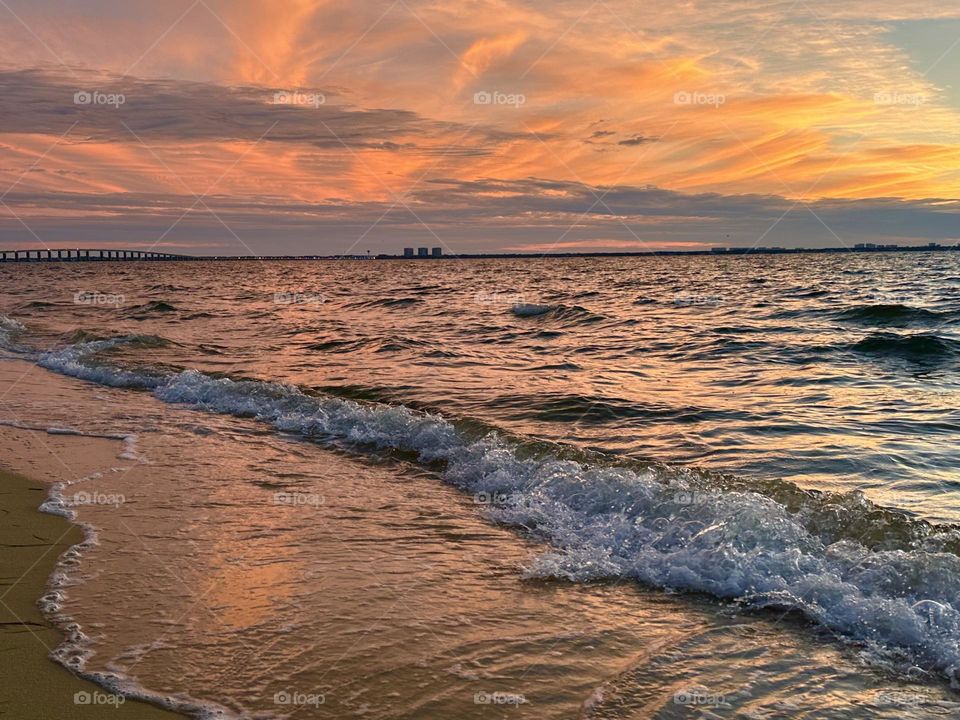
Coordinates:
715 252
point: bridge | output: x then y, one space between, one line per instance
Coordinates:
84 255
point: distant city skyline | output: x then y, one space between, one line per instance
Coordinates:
248 127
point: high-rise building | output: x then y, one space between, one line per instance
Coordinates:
408 252
437 252
423 252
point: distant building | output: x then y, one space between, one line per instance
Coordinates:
408 252
423 252
437 252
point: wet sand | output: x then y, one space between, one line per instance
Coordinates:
34 687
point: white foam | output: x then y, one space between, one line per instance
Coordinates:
9 329
129 449
75 361
658 527
528 309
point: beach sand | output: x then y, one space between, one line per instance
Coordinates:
34 687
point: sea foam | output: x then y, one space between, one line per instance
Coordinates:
9 329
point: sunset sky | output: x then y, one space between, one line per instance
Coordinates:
300 126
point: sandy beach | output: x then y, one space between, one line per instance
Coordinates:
35 687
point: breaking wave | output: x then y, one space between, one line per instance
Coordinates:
873 576
573 314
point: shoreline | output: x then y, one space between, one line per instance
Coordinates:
134 256
35 687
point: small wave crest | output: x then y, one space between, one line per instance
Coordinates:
918 347
149 310
568 313
398 302
531 309
79 360
891 314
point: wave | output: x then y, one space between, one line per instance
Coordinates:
531 309
78 360
400 302
873 576
378 345
337 346
149 309
918 347
569 313
890 314
143 340
599 410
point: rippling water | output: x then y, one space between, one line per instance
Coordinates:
779 432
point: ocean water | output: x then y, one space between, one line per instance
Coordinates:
604 488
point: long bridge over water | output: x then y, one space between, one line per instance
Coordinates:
85 254
98 254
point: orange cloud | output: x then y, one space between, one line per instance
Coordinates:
485 52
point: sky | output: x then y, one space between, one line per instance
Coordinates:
247 127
